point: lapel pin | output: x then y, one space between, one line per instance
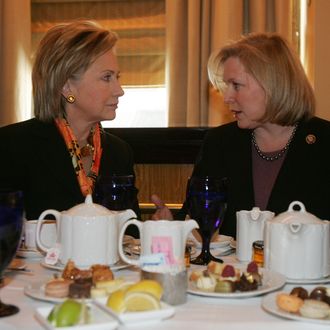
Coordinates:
310 138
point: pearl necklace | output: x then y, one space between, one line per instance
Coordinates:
280 153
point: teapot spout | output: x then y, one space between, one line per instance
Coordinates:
189 225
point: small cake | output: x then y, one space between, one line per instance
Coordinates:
195 275
229 273
320 293
252 270
288 302
206 283
58 288
80 288
315 309
299 292
225 286
247 283
101 273
215 267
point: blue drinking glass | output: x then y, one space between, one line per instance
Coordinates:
206 200
11 224
116 192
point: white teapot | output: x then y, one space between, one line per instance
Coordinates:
249 228
297 244
87 233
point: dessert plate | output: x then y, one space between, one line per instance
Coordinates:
138 318
100 319
59 266
268 303
271 281
220 241
308 281
37 291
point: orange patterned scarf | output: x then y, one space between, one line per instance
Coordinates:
86 182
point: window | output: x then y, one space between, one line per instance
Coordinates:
140 25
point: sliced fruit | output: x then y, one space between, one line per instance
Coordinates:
69 313
116 301
140 301
147 286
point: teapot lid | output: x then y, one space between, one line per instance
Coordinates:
294 216
88 209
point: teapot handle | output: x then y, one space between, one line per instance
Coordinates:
41 219
120 241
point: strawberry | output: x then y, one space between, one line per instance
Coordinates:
252 267
228 271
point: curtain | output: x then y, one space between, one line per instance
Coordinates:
15 72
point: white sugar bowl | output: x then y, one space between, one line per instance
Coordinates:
297 244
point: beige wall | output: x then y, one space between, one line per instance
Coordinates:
319 44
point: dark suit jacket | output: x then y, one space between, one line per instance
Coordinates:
304 175
36 160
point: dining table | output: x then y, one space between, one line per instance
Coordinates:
199 312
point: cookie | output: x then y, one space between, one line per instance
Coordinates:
288 302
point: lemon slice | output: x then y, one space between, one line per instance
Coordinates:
140 301
116 301
147 286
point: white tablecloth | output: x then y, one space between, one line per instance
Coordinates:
198 313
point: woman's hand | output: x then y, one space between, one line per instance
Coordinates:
162 211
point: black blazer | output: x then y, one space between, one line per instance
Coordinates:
304 175
36 160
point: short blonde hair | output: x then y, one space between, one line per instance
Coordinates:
66 51
270 60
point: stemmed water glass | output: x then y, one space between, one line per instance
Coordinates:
116 192
11 224
206 200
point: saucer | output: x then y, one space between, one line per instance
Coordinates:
308 281
28 253
59 266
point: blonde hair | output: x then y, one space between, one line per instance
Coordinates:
270 60
66 51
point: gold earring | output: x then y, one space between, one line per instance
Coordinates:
70 98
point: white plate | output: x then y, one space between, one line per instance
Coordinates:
37 291
17 264
220 241
139 318
100 320
28 253
271 281
59 266
268 303
308 281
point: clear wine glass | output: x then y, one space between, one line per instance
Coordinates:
116 192
11 224
206 200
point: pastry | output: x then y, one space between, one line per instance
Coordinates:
315 309
80 288
101 273
58 288
206 283
247 283
215 267
288 302
225 286
299 292
320 293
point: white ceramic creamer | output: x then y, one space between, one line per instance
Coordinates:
161 236
249 228
87 233
297 244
